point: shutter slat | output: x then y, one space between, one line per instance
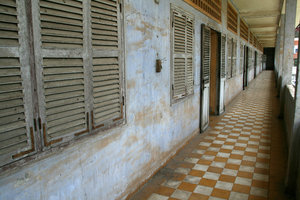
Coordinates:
106 87
64 96
62 17
8 24
105 25
205 54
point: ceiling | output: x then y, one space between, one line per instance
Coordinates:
263 18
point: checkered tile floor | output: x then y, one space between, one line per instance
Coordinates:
229 161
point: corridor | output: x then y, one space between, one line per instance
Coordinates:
241 156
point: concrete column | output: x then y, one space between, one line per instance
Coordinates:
288 48
292 181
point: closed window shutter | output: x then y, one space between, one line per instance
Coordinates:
233 58
241 57
189 56
183 36
205 54
60 75
16 119
223 50
107 62
229 61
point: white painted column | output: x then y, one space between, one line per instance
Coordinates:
288 48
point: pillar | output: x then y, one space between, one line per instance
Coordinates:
288 48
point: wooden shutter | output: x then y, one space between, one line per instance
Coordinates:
189 56
60 70
223 51
229 56
17 136
205 54
241 57
107 63
233 60
182 43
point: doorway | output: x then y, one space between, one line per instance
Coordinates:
245 68
212 75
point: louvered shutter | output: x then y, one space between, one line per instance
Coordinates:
241 57
60 69
233 60
250 59
182 43
229 56
223 50
17 136
205 54
107 63
189 56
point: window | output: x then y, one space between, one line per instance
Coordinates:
71 85
210 8
231 58
232 18
182 54
243 30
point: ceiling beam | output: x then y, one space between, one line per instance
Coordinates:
260 14
262 25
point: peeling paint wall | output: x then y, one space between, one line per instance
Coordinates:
111 164
233 87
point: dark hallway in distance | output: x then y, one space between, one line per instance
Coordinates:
270 53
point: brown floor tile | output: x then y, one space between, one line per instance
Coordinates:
236 156
204 162
211 153
251 197
248 163
227 178
220 159
166 191
247 153
245 174
260 184
225 150
220 193
241 188
198 173
215 169
187 186
207 182
239 148
232 166
195 196
261 171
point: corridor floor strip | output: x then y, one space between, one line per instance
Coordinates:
229 161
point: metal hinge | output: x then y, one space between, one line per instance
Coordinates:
172 24
123 100
120 7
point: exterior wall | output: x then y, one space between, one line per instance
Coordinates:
112 163
233 87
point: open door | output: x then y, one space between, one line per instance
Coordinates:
205 68
222 75
245 69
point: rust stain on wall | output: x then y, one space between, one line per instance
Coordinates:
131 84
